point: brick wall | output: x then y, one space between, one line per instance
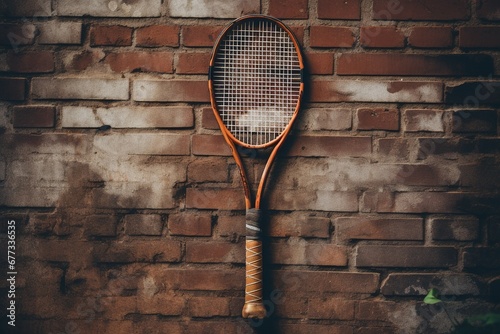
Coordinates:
128 206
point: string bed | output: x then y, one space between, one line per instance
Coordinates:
256 79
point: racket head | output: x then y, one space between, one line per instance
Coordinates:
256 80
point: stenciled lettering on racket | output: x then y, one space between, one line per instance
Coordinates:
256 85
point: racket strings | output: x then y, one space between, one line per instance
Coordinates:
256 81
254 273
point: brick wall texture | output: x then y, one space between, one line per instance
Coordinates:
129 208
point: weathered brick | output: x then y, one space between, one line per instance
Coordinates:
320 200
215 252
431 120
31 62
325 119
190 225
80 61
79 88
97 8
375 228
55 32
414 64
205 306
146 90
419 284
157 35
339 9
141 224
142 144
100 226
375 91
16 35
209 198
13 89
394 148
429 147
128 117
431 37
432 202
294 9
303 253
320 63
208 120
406 256
38 8
421 10
110 35
232 227
479 175
48 143
327 146
381 37
210 145
378 119
217 9
34 116
375 310
331 37
156 251
481 258
459 229
474 121
473 93
192 63
208 170
488 10
299 328
160 62
304 281
479 37
200 36
331 308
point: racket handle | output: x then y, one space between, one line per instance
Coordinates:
254 307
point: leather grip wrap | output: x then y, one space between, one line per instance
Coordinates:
252 224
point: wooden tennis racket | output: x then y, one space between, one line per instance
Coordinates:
256 85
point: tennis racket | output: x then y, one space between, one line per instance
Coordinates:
256 85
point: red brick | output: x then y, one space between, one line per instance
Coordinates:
339 9
12 89
289 9
213 279
210 145
31 62
426 10
168 90
34 116
309 254
458 229
190 225
192 63
215 252
331 37
488 10
328 146
160 62
430 202
200 36
381 37
154 251
157 35
205 306
83 60
414 64
375 310
100 226
375 228
291 226
378 119
479 37
142 224
304 281
320 63
431 37
406 256
160 303
300 328
208 120
210 198
208 170
110 36
331 309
